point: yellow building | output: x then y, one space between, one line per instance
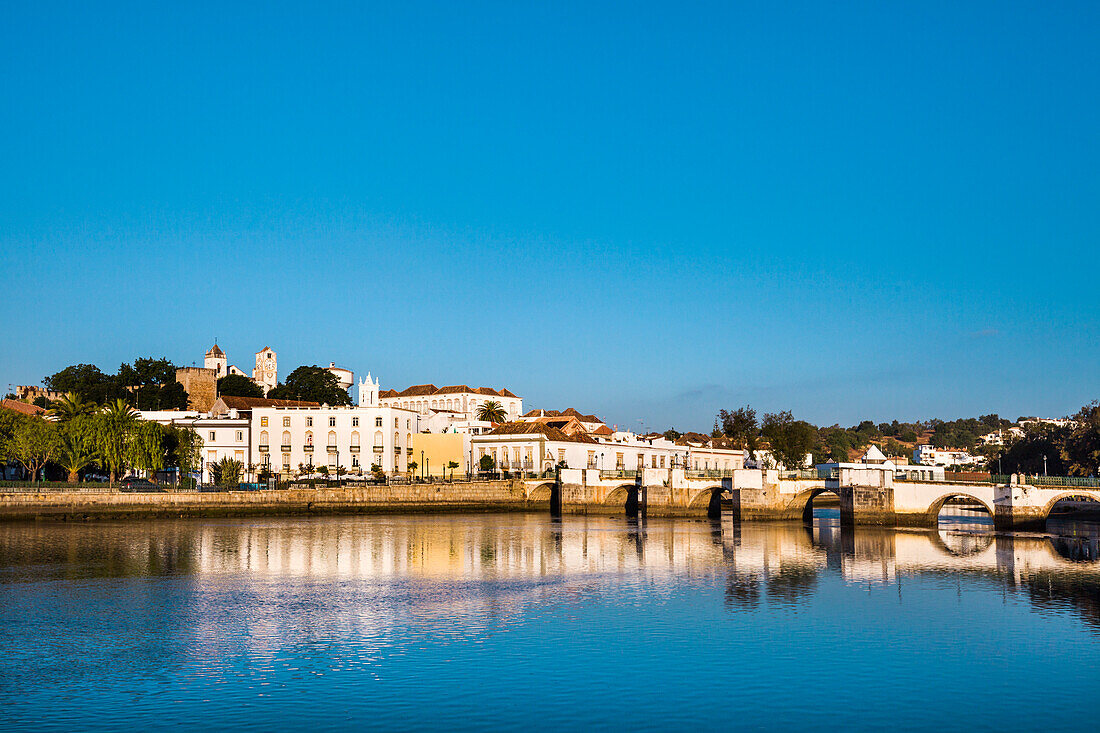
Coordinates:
433 451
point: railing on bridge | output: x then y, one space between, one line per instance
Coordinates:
1078 481
708 473
802 473
619 473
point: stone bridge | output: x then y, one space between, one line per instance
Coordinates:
869 496
873 496
656 491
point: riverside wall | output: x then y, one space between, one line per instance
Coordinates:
475 496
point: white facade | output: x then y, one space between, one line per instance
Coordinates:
623 451
459 399
351 437
222 437
929 456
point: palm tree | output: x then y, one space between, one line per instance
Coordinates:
493 412
114 425
77 447
70 405
227 472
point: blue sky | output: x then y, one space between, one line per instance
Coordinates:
648 211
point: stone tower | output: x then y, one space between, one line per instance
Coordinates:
368 392
266 372
216 360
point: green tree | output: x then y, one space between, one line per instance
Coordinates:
672 434
145 446
740 426
487 463
78 445
147 371
492 412
87 381
790 439
70 406
172 397
312 383
227 472
34 442
112 426
239 386
1082 445
183 449
452 465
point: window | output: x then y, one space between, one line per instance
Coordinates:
332 437
240 436
211 435
286 462
619 461
286 439
286 422
408 424
238 455
355 422
395 423
332 422
309 437
662 461
263 438
377 422
309 422
263 422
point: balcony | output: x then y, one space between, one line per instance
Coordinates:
286 448
354 449
263 449
332 449
378 449
307 448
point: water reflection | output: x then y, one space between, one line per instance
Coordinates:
772 563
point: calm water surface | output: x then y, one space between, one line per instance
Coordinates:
521 622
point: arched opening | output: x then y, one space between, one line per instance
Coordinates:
711 498
540 494
821 506
1077 516
625 496
961 513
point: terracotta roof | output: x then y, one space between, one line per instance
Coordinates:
388 393
234 402
424 390
568 412
417 390
538 428
215 351
24 408
603 430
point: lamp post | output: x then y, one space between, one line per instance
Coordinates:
1044 464
421 465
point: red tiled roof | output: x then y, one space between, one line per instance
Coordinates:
425 390
417 390
24 408
568 412
538 428
388 393
234 402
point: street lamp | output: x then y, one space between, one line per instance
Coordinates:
1044 464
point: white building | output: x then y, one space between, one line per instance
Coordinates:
265 374
226 436
929 456
461 400
539 446
352 437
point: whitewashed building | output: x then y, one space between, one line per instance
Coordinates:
352 437
226 436
460 399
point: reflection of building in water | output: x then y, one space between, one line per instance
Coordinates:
511 561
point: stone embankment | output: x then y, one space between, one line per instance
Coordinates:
474 496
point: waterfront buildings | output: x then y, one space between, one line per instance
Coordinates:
460 400
352 437
928 455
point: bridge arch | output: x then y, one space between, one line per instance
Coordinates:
540 493
711 498
625 497
936 506
802 504
1090 496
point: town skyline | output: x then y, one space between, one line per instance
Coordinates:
639 425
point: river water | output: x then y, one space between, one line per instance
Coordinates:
523 622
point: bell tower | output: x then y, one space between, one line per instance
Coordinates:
368 392
266 372
216 360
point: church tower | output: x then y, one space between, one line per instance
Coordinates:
216 360
368 392
266 373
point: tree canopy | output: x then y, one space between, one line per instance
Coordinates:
147 384
312 383
239 386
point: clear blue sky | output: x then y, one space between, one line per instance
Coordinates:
642 210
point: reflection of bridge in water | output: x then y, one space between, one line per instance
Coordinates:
532 555
869 494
